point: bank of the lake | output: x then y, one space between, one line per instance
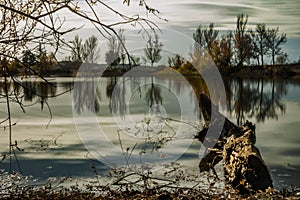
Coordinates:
72 69
286 71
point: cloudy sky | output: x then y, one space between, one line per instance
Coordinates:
185 15
190 13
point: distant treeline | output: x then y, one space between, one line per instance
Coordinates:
230 51
235 49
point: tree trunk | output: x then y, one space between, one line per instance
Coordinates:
273 58
243 165
262 53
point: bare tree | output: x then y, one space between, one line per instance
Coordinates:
91 50
115 51
45 61
205 37
88 51
77 49
226 50
153 50
199 37
274 42
210 36
242 40
255 46
261 40
219 50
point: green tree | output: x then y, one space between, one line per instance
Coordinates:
282 59
29 59
153 49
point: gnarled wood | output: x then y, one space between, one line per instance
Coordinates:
243 164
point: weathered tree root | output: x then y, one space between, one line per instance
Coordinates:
243 163
244 167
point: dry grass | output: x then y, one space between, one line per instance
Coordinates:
16 187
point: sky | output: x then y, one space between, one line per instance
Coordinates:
190 13
184 16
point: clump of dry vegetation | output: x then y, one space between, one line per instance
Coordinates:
174 184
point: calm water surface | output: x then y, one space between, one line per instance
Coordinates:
113 116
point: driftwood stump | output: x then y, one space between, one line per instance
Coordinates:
243 165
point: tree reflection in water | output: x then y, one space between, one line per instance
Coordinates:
34 91
39 90
150 125
246 99
256 98
259 98
116 93
87 96
153 95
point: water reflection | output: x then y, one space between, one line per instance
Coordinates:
33 91
259 99
87 93
116 93
87 96
153 95
39 91
256 98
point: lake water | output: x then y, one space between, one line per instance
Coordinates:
110 122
